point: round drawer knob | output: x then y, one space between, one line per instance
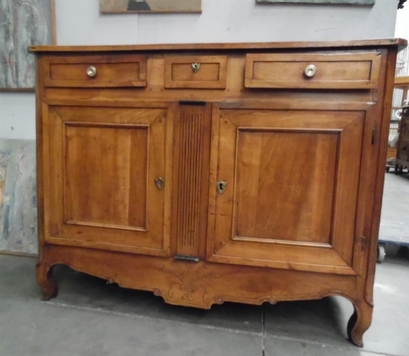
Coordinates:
91 71
310 70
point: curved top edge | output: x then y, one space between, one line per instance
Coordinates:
223 46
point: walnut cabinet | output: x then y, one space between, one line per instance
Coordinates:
245 172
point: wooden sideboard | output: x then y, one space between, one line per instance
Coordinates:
244 172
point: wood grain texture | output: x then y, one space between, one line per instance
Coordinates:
116 192
299 216
279 202
192 152
375 183
332 71
199 284
312 45
127 71
210 74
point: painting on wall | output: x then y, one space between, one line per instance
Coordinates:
115 6
18 196
318 2
22 24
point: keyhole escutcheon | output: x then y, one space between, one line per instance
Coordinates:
160 183
195 67
221 186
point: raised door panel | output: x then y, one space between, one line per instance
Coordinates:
107 173
291 188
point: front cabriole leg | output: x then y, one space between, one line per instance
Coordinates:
46 281
359 322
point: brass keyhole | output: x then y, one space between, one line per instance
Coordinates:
221 186
195 67
160 183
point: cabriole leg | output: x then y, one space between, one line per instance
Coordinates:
46 281
359 322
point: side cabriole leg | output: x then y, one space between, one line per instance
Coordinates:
359 322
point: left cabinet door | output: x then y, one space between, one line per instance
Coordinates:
106 176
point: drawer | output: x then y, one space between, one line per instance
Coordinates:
196 72
315 71
95 71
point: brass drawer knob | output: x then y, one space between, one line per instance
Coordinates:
310 70
195 67
91 71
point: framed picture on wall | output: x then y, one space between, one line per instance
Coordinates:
121 6
23 24
318 2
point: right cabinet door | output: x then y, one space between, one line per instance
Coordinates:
285 188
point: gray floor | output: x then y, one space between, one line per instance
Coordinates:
90 317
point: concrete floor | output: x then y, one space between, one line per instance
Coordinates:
90 317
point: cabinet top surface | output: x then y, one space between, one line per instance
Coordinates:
225 46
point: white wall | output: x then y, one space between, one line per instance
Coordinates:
79 22
402 22
17 115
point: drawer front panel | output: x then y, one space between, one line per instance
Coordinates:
196 72
323 71
96 72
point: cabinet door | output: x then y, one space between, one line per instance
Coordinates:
107 173
285 188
